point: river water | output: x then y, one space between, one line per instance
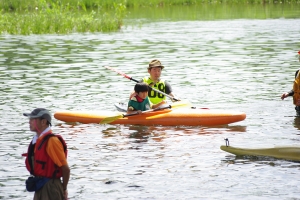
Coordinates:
241 64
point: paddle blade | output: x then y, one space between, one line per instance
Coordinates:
182 103
108 120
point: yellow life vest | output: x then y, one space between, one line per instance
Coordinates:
154 96
296 89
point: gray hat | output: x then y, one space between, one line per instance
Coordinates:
39 113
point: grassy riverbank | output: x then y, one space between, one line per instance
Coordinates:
60 17
21 5
69 16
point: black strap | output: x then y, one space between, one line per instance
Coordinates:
44 140
30 155
51 135
42 163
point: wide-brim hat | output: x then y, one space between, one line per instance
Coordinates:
39 113
155 63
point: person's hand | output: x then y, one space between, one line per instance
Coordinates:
66 194
177 99
132 95
284 95
163 102
139 112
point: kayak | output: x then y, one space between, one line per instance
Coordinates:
283 152
167 117
184 115
121 107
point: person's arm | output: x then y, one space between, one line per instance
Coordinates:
132 94
287 94
131 109
169 91
290 93
296 73
65 177
153 106
56 152
171 94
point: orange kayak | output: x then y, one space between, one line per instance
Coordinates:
168 117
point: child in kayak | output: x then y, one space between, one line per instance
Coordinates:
295 92
140 102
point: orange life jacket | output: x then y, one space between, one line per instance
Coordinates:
296 89
42 164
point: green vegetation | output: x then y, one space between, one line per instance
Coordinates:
69 16
212 12
21 5
160 3
60 17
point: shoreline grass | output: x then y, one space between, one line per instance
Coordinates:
29 5
48 17
70 16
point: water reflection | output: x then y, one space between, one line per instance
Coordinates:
297 122
216 11
158 133
260 160
111 131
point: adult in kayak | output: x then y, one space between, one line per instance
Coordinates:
140 102
154 69
295 92
46 159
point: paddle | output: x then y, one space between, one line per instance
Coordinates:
132 79
108 120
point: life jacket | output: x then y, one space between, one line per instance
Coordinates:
154 96
296 89
142 106
39 163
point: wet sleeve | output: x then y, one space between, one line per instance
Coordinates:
168 88
131 105
296 73
291 93
56 151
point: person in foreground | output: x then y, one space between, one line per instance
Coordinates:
154 69
46 159
295 92
140 101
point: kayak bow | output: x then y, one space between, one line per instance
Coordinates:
283 152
